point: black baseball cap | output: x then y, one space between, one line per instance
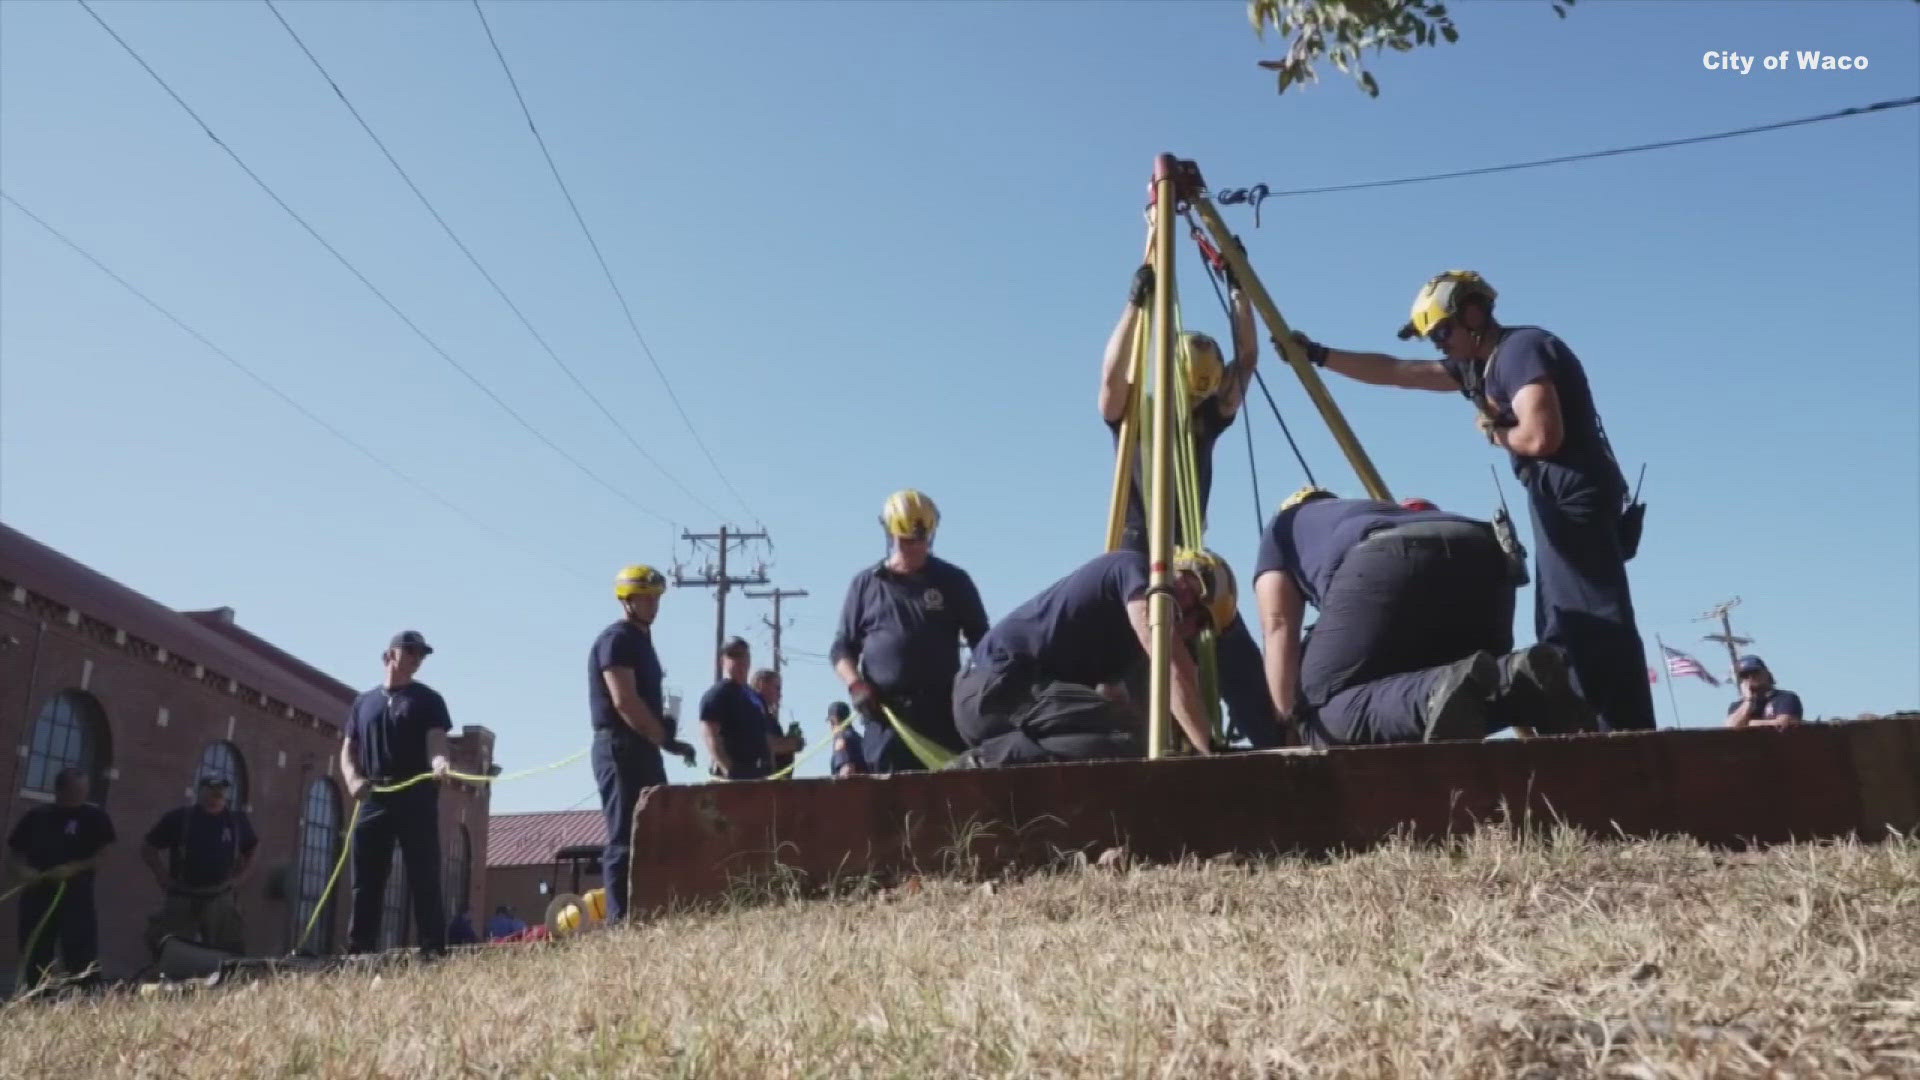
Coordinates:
736 646
410 639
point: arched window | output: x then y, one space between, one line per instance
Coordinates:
71 731
223 759
319 849
393 906
459 885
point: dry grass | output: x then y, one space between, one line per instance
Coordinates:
1489 957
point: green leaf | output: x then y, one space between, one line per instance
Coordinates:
1450 34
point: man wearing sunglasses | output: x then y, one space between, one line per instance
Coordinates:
1534 402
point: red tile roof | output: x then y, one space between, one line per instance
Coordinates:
531 839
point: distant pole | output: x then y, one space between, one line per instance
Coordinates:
776 595
1726 636
718 580
1671 696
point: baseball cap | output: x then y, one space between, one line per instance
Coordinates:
736 646
410 639
1750 664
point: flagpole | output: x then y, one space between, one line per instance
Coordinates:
1671 696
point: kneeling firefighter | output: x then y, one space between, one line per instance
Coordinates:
898 644
1415 627
1042 685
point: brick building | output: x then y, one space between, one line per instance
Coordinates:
146 698
521 869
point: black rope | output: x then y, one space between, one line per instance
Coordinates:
1253 470
1259 507
1258 192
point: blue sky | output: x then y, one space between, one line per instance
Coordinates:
877 246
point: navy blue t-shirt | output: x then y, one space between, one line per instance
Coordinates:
1076 631
627 645
1528 354
1776 704
1309 541
49 836
202 848
903 631
390 728
742 717
1208 422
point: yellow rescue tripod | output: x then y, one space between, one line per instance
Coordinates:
1165 414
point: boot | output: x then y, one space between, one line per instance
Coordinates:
1456 706
1536 690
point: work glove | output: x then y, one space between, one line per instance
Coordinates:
679 749
1142 286
1226 268
1316 352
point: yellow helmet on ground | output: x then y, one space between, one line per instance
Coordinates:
1440 299
910 515
639 580
1218 590
1306 494
1201 365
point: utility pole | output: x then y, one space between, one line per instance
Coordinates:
1726 635
716 579
776 595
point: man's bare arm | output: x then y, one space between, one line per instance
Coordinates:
716 746
1537 430
627 702
1246 354
357 785
1115 386
1380 369
1184 697
1281 610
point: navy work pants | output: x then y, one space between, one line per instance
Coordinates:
1404 604
73 928
410 818
1010 716
1581 599
624 764
929 714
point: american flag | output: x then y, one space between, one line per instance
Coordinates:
1680 665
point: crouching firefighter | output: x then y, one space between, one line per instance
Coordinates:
1535 403
898 645
1042 685
1215 391
1415 627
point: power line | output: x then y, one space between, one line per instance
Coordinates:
273 389
1258 192
362 278
625 308
471 258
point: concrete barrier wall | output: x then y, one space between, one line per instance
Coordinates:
1854 779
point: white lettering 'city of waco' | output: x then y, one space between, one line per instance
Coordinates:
1819 61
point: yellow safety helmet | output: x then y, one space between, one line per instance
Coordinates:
1217 588
1201 364
1306 494
639 580
910 515
1440 299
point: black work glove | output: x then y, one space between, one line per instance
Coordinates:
1142 286
1226 268
680 749
1316 352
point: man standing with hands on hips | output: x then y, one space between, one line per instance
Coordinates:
396 732
630 724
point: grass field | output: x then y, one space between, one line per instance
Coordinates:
1492 956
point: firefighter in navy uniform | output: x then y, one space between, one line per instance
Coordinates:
1535 403
898 644
1415 627
395 732
1215 392
630 724
55 843
1045 683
